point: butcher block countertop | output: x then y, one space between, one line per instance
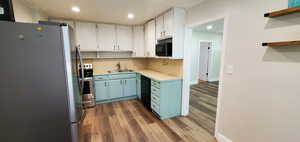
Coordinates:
148 73
158 75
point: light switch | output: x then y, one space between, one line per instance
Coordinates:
229 69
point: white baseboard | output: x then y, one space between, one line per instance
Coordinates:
213 80
222 138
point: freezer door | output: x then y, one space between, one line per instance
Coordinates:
33 99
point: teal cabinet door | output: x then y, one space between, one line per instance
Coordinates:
101 90
129 86
115 89
138 87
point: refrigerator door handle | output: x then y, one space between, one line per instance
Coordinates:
82 70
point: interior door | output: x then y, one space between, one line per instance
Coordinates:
86 34
115 89
204 60
107 37
130 87
124 38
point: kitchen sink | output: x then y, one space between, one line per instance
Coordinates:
116 71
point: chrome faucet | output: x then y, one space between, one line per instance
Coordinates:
119 66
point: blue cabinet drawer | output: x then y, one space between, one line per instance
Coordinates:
156 94
101 77
155 90
155 99
155 107
122 76
155 84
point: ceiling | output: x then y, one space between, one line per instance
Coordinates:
109 11
218 27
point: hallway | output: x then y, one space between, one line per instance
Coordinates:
204 101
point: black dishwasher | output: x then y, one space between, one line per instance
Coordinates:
146 91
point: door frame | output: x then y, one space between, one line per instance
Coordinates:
187 66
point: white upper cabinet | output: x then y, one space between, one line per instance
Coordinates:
150 38
138 41
171 24
124 38
164 25
86 36
168 24
106 37
159 27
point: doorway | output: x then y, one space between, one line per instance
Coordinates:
205 67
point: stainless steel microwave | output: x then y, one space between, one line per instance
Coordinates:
6 11
164 48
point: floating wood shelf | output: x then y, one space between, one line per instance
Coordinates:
283 43
283 12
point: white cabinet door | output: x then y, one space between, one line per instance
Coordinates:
107 37
86 34
124 38
150 39
159 27
168 24
139 41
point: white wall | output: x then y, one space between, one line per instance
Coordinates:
23 13
260 100
215 60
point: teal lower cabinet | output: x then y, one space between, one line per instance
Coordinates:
115 87
166 98
102 90
165 95
129 87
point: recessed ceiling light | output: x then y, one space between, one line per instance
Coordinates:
75 9
209 27
130 16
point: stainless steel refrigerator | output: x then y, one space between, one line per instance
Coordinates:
40 88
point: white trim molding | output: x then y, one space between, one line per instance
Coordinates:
222 138
187 67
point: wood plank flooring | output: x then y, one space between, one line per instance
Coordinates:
203 101
129 121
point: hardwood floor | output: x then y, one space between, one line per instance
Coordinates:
129 121
204 101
